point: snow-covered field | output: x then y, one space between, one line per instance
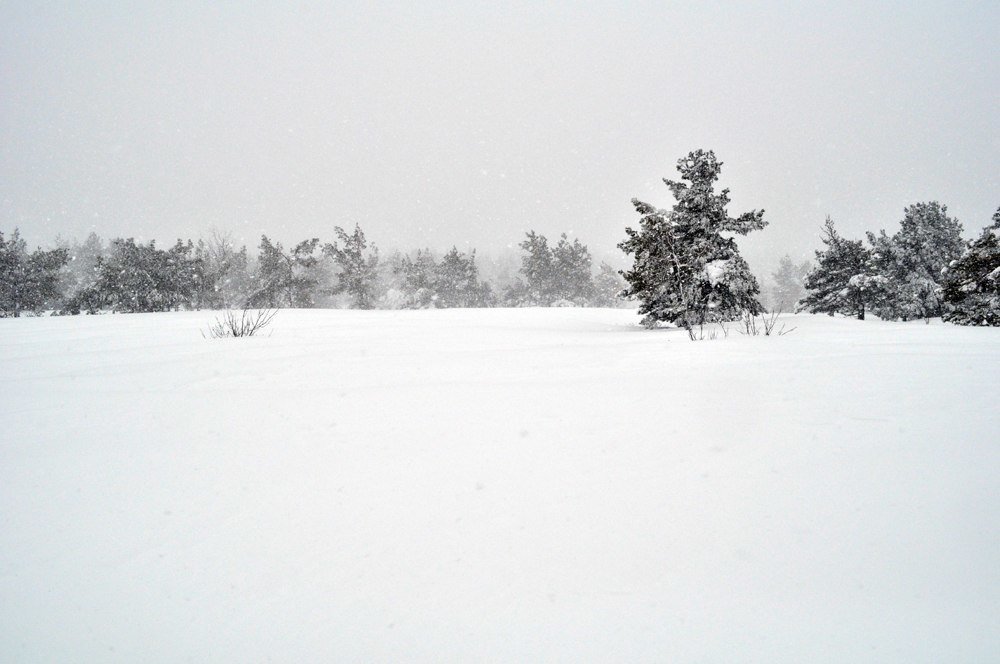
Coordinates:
497 486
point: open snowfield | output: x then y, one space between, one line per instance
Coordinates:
497 486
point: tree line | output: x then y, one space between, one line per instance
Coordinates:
924 270
128 276
687 269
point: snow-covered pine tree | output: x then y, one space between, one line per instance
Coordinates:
842 280
307 274
538 270
416 277
910 262
972 282
456 282
273 275
28 282
572 279
358 267
685 271
789 284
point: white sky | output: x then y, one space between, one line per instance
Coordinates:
435 124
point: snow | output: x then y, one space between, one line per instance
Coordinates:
497 485
714 270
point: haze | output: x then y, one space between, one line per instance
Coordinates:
437 124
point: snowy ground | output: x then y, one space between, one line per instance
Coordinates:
497 485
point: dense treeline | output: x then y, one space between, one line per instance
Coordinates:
924 270
127 276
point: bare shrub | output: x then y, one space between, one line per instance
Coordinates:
767 324
240 323
698 334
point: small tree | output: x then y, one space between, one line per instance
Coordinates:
358 267
972 282
842 280
685 270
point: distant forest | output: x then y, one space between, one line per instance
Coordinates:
127 276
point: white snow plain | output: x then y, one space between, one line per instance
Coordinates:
550 485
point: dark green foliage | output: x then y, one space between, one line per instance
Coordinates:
136 277
972 282
417 277
358 267
456 282
842 280
559 274
685 271
537 270
287 280
28 282
910 262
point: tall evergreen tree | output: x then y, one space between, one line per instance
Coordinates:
457 280
537 269
358 266
842 280
911 261
972 282
417 277
274 274
685 270
573 279
287 279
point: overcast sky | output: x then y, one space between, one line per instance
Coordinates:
434 124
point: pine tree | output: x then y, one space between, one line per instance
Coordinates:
28 282
417 279
572 277
306 274
911 262
972 282
358 267
274 273
842 280
538 270
685 271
